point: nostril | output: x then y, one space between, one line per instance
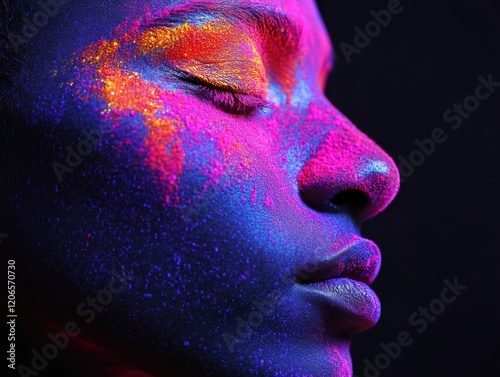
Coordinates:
349 200
349 174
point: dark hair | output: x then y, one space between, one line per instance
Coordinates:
13 134
12 13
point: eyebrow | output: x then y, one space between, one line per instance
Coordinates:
284 34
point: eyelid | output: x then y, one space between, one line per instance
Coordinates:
221 53
232 101
212 83
219 59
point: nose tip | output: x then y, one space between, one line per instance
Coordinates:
350 172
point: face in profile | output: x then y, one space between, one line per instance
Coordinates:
190 146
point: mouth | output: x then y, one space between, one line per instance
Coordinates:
339 286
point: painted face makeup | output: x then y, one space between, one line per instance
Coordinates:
217 54
227 185
220 61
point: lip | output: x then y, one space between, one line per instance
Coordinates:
338 286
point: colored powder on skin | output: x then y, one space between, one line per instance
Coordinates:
217 53
337 358
282 55
338 166
274 44
268 202
220 54
236 162
253 195
125 93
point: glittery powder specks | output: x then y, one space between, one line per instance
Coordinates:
341 360
237 189
126 94
217 52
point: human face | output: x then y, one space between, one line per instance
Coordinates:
225 182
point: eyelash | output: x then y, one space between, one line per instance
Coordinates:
232 102
228 101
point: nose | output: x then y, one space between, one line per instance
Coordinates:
349 172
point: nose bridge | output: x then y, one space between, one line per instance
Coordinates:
348 160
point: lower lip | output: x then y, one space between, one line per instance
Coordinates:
349 305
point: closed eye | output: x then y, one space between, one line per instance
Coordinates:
228 100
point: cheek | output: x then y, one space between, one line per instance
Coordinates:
226 151
175 136
136 111
144 118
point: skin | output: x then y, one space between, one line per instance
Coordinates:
210 207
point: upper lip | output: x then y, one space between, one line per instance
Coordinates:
358 261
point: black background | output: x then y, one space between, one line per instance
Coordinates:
443 224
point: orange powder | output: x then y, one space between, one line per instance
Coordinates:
125 93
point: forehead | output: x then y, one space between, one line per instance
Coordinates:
81 23
289 7
302 13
